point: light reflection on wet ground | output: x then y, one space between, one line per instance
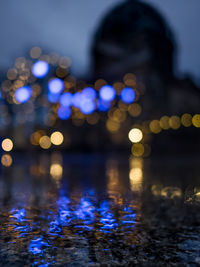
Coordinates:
90 210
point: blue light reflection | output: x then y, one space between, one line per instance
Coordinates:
107 218
37 246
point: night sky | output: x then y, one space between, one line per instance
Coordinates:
66 26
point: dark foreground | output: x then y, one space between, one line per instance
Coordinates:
100 211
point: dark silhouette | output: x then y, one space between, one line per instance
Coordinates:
134 37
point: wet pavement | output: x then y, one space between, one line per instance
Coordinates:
97 210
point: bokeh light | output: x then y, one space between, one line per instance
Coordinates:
12 74
103 105
45 142
137 150
135 135
57 138
174 122
93 118
6 160
66 99
128 95
23 94
107 93
7 144
53 98
154 126
134 110
76 100
112 126
186 120
64 112
89 93
40 69
196 120
56 86
164 122
35 52
35 137
87 106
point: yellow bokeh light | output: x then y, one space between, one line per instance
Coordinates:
35 137
45 142
115 114
134 110
129 79
7 144
65 62
20 62
122 106
112 126
93 118
12 74
35 52
56 171
196 120
164 122
99 83
6 160
174 122
154 126
54 58
135 135
57 138
137 150
186 120
61 73
118 87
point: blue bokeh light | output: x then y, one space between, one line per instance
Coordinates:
87 106
53 98
64 113
76 100
23 94
103 105
107 93
89 93
56 86
128 95
40 69
66 99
